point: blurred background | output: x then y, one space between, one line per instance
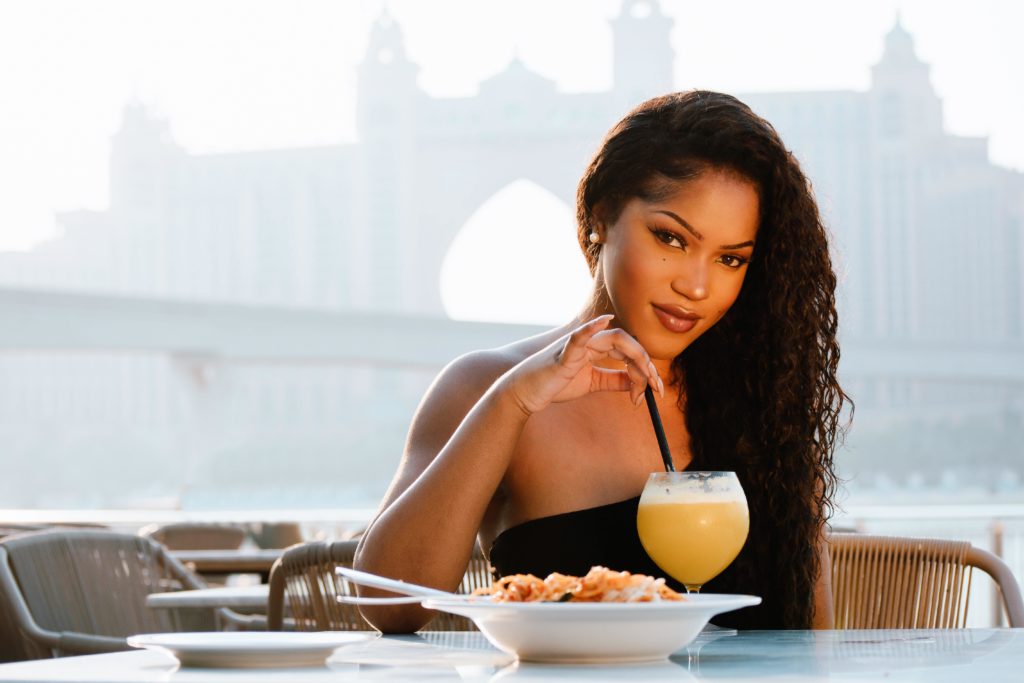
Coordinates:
239 239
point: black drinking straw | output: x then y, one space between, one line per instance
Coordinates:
659 429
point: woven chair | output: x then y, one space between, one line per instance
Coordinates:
274 535
70 592
304 577
896 582
196 536
15 529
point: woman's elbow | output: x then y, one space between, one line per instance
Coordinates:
396 619
386 618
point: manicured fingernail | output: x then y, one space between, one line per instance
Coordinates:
661 386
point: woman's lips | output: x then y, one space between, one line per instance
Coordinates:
676 319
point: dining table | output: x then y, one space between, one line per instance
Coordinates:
895 656
252 598
226 562
243 600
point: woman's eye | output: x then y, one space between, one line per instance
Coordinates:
732 261
669 238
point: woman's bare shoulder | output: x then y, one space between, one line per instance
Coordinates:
467 378
473 373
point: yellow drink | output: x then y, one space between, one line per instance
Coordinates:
693 542
693 524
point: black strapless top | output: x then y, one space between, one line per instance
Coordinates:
573 542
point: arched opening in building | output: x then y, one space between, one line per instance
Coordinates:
516 260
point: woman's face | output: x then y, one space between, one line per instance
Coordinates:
672 268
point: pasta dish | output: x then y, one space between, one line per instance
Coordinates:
599 585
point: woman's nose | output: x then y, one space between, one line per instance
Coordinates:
693 284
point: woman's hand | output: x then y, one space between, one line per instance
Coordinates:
566 369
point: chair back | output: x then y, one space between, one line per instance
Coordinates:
82 591
897 582
303 580
196 536
14 647
15 529
274 535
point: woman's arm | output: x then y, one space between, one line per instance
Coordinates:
455 458
460 445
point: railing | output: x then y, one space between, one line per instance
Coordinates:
996 528
315 523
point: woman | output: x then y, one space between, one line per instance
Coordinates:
713 284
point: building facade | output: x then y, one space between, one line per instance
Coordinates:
928 232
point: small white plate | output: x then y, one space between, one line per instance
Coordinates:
593 631
248 649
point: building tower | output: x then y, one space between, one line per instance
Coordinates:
387 90
388 114
142 154
642 52
905 101
906 126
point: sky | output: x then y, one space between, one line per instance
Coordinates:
257 74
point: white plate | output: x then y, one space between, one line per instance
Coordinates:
249 649
593 631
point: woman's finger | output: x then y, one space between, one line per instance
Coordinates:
639 379
658 384
574 352
593 340
608 341
603 379
631 379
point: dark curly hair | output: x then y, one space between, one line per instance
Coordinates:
759 389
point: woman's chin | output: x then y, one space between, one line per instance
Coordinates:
661 344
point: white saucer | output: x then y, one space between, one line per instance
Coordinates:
248 649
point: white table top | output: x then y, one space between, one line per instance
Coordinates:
896 656
238 597
229 561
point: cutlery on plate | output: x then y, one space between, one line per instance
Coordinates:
404 600
409 589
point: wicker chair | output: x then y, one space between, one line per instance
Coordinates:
274 535
15 529
66 592
196 536
304 577
895 582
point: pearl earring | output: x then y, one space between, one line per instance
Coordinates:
594 237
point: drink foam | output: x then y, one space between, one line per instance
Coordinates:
692 492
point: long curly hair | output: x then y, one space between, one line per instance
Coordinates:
759 390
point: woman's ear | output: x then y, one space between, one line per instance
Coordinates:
600 214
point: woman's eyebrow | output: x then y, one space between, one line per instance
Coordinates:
693 231
689 228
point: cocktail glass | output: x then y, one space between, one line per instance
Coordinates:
693 524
